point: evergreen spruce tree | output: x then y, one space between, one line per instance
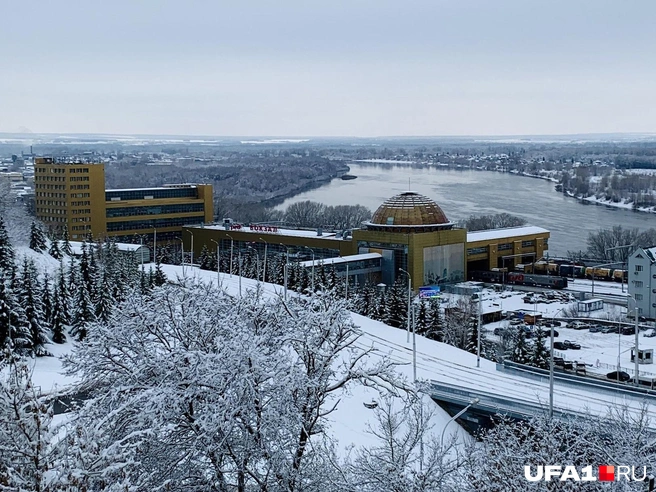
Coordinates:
421 320
84 313
397 305
6 250
14 333
73 279
160 276
54 250
93 274
63 295
472 335
37 238
105 303
46 299
435 328
205 260
30 298
85 271
59 317
520 353
380 307
539 356
66 244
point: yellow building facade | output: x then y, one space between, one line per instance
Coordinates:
73 196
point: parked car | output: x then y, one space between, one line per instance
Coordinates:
516 321
650 333
610 329
578 325
619 376
572 345
499 331
595 329
628 330
547 332
560 346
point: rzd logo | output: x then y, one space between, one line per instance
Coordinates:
606 473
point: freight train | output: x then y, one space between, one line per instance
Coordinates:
571 270
519 278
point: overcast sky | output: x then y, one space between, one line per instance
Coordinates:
329 67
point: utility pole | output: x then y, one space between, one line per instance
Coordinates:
478 337
218 263
265 259
409 302
286 266
232 242
307 247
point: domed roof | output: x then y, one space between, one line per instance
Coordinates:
409 209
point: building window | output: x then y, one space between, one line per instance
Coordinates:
638 297
638 268
505 246
528 244
476 251
637 284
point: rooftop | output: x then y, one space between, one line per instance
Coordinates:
341 259
280 232
504 233
409 209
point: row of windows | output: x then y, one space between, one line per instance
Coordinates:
505 246
80 195
81 219
81 228
151 224
51 202
477 251
54 211
79 178
81 211
528 244
79 187
81 204
638 268
51 195
61 170
50 187
150 194
155 210
52 178
55 219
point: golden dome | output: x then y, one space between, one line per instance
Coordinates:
409 209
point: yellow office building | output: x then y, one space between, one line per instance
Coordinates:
73 196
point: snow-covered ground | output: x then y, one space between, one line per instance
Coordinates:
435 361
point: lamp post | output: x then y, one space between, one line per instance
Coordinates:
635 354
192 247
265 258
232 243
312 251
551 366
239 271
218 263
182 256
473 402
478 336
409 301
286 266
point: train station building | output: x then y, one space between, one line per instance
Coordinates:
409 234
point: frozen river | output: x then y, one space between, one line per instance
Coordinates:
462 193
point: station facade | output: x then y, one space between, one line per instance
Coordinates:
409 231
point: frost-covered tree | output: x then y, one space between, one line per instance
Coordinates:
397 305
520 351
37 238
84 313
242 388
27 435
105 301
59 322
539 355
54 250
62 294
435 323
66 244
496 462
160 277
407 454
32 303
14 328
6 250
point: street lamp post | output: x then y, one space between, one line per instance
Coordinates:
239 271
312 250
286 267
192 247
232 243
635 353
218 263
551 366
265 259
182 256
409 301
478 336
457 415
